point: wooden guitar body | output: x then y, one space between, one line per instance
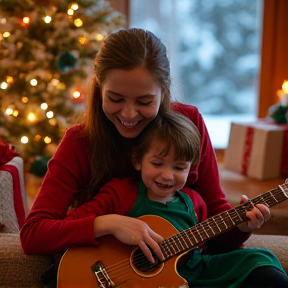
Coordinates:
75 266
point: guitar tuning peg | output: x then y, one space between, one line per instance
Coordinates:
286 181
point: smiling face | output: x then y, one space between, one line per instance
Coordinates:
162 174
131 99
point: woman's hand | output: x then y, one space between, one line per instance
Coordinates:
129 231
255 218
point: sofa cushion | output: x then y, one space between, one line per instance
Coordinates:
275 243
8 217
17 269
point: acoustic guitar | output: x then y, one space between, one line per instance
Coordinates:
114 264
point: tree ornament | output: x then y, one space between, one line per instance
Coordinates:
67 61
50 52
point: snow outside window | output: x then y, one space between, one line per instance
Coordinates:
214 51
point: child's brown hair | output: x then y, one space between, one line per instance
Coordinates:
170 130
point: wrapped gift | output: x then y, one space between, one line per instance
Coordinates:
13 202
258 150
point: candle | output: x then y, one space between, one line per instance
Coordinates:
284 95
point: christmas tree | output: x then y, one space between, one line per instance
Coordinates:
47 48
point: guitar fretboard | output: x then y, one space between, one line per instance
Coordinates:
208 229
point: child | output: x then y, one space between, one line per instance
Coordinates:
167 149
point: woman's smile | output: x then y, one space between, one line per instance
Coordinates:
128 124
131 99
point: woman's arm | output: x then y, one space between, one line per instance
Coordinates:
45 229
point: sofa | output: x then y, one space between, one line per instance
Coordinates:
20 270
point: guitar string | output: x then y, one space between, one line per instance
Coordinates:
206 225
119 269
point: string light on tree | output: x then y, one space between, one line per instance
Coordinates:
74 6
6 34
77 97
9 111
50 114
78 22
24 99
47 19
99 37
31 117
3 85
47 140
37 137
44 106
83 40
70 12
15 113
9 79
24 140
26 20
33 82
46 50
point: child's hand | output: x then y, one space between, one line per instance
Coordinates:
255 218
130 231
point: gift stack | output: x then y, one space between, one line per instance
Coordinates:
13 205
258 150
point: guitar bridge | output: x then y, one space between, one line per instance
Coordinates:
102 276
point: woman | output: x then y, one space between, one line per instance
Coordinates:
131 86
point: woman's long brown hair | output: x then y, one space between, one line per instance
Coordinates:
124 49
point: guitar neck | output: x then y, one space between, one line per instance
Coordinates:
210 228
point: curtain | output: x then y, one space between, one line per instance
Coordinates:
274 54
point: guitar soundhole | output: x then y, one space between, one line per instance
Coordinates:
142 264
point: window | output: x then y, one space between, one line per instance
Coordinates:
213 47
